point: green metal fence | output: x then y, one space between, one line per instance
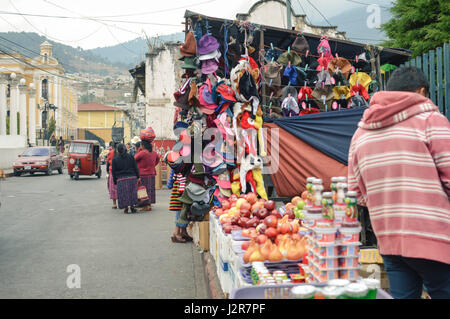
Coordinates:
436 66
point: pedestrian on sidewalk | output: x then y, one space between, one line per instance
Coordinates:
147 160
126 176
399 165
112 188
61 145
180 234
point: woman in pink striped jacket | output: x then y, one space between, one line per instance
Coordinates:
399 164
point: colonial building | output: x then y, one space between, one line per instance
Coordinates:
32 92
96 121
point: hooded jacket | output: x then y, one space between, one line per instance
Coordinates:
399 165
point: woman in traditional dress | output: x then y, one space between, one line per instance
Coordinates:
147 160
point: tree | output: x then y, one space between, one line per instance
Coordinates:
51 127
418 25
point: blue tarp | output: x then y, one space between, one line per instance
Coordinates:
328 132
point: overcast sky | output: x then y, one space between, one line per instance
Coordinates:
156 17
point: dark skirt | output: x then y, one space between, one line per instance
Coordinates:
127 192
112 188
149 182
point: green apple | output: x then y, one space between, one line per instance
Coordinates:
301 204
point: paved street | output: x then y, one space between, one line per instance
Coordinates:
50 222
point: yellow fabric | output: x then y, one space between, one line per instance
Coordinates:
257 176
339 91
363 78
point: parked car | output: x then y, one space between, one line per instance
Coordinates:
39 159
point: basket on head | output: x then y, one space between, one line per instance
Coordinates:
147 134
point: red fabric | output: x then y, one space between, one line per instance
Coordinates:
399 165
109 158
361 90
296 162
146 162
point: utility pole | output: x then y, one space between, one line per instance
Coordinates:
288 14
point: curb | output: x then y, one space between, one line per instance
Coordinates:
215 290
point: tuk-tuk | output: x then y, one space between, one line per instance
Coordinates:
84 159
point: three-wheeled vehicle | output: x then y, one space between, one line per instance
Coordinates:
84 159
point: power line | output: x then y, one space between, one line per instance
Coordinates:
158 11
303 9
366 4
323 16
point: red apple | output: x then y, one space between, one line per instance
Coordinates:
227 228
226 205
271 221
235 220
271 232
246 205
290 213
253 222
261 228
246 213
261 239
218 212
243 221
276 214
263 213
305 195
235 227
251 198
269 205
285 228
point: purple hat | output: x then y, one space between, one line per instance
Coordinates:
207 44
209 66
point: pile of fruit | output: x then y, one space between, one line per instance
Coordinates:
286 247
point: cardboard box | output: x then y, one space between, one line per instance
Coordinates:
200 234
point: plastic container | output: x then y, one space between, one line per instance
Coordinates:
326 263
339 213
327 274
341 283
303 292
348 262
373 285
325 235
333 292
356 291
349 234
327 251
348 250
349 274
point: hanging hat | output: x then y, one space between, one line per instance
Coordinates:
209 66
288 90
247 87
291 73
223 92
341 64
360 78
188 49
207 44
290 106
360 90
209 56
271 73
300 44
339 104
182 95
272 55
308 111
339 78
305 92
342 92
205 106
189 63
292 57
324 49
147 134
193 93
179 127
320 94
306 104
323 63
324 79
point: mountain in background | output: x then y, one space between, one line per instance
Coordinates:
133 52
72 59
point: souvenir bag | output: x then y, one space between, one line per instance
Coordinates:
142 193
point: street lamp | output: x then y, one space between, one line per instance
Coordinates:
45 108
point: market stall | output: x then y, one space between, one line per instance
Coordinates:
239 79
